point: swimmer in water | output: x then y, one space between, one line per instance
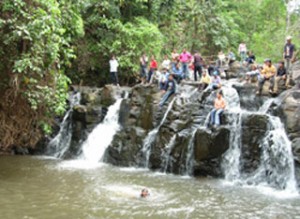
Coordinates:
144 193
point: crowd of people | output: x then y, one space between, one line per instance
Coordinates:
177 68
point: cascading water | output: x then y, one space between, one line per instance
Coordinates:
231 159
59 145
100 138
149 140
166 156
277 166
189 163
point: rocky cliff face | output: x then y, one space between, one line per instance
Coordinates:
175 138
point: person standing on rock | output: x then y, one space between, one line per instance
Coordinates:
143 67
198 61
242 51
113 64
168 91
185 58
289 58
153 68
175 58
267 74
166 63
219 107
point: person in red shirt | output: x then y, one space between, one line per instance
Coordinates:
153 68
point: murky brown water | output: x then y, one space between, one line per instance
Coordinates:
32 187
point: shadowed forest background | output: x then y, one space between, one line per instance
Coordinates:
45 46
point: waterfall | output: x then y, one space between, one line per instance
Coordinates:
277 166
149 140
231 159
100 138
189 163
166 157
59 145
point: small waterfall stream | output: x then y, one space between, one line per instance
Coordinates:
149 140
100 138
166 156
59 145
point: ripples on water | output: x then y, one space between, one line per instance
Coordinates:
47 188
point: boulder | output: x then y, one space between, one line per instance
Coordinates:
254 128
209 146
288 109
125 147
235 70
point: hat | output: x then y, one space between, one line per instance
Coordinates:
288 38
215 73
268 60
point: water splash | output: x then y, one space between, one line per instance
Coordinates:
60 144
100 138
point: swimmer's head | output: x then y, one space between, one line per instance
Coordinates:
144 193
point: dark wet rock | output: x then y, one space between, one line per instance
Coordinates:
296 149
236 70
125 147
254 128
20 150
288 109
209 146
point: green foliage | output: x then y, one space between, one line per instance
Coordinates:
36 39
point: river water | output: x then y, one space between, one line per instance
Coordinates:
41 187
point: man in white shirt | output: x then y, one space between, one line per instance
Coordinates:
243 51
113 64
166 63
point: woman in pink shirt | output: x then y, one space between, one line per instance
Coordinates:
185 58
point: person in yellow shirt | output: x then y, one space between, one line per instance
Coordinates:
205 80
267 74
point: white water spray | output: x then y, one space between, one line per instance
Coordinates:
60 144
100 138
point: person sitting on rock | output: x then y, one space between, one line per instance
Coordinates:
267 74
144 193
250 58
281 75
215 82
219 107
254 73
169 90
163 78
231 57
177 72
205 80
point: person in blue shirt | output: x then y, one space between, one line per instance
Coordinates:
178 72
169 90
